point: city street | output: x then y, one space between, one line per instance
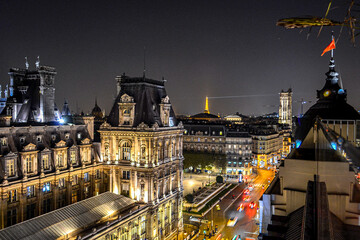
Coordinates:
246 219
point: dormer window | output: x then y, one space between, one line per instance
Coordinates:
39 138
53 137
126 110
10 167
79 135
4 141
165 111
45 162
67 136
22 139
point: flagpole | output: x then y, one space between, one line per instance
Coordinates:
332 50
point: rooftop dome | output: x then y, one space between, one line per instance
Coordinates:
97 112
331 104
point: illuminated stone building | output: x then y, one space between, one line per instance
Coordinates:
285 108
44 165
238 152
204 138
142 152
44 168
267 146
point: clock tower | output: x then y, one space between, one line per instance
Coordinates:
47 93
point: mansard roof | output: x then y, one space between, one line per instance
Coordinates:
20 138
147 95
64 221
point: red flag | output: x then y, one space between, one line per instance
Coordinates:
330 47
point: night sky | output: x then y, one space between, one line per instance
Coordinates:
203 48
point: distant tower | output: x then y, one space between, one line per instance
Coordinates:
285 108
207 106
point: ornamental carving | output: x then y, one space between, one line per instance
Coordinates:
85 141
155 126
126 99
142 125
165 100
104 125
61 143
30 147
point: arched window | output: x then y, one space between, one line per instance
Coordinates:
125 151
143 152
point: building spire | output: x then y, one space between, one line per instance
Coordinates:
332 38
207 106
26 63
332 75
37 63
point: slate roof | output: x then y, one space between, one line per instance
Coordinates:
206 130
147 94
63 221
50 135
204 115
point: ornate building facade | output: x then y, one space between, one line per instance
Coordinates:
44 168
142 152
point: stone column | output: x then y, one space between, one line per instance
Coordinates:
4 201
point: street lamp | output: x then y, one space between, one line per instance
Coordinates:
209 172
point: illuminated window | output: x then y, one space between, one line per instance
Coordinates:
61 162
46 187
126 112
86 177
73 156
125 151
10 164
221 133
45 162
4 141
30 191
29 164
12 195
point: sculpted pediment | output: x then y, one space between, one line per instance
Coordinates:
105 125
126 99
61 143
85 141
30 147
